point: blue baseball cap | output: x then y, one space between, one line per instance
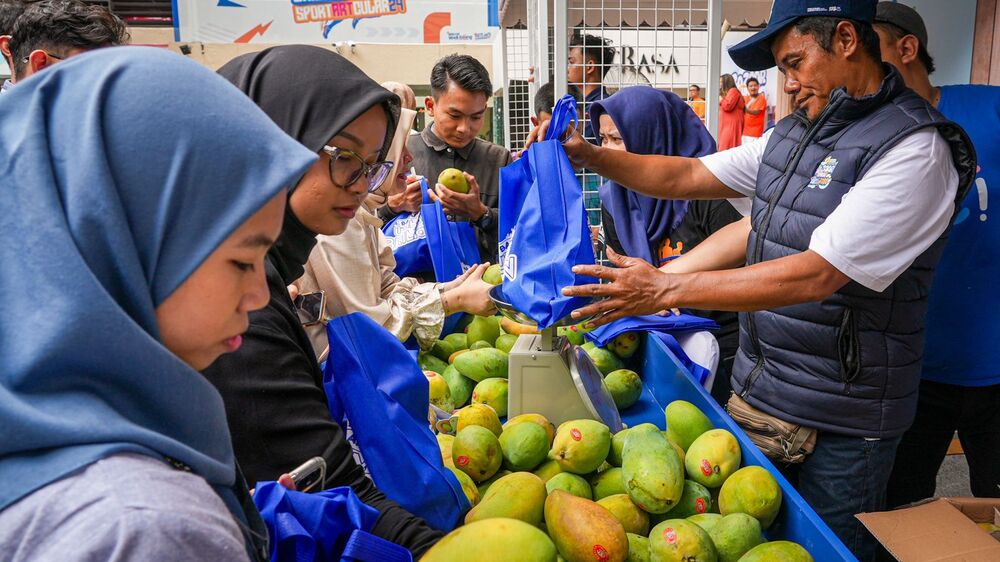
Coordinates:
755 52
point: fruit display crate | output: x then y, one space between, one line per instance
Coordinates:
666 380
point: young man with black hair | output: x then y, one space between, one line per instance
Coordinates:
545 100
590 59
755 109
53 30
460 88
960 380
9 12
695 101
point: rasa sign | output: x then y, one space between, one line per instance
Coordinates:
330 21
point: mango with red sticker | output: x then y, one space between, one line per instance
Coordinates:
584 531
754 491
713 457
677 540
581 446
625 345
651 469
476 452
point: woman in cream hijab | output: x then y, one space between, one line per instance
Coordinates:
355 269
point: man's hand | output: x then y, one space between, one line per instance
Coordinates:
581 153
465 205
410 199
636 288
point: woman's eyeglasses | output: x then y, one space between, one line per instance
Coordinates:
347 167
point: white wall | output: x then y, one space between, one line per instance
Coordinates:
950 28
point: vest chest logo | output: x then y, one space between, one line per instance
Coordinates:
821 178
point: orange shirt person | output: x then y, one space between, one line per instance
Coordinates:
756 111
696 102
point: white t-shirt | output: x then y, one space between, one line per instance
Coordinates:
891 215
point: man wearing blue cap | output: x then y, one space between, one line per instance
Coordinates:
853 196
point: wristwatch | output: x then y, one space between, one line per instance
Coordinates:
486 220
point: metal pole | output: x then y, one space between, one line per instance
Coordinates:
714 66
505 77
561 43
541 58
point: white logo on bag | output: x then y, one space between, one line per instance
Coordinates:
406 230
508 261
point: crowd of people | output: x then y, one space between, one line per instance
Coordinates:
161 219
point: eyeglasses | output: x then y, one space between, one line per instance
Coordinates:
57 57
347 167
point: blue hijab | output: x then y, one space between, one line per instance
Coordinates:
121 171
650 121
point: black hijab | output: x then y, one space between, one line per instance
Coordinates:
312 94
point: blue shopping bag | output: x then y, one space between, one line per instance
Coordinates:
668 324
374 386
543 227
324 527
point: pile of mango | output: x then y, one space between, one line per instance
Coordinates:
580 494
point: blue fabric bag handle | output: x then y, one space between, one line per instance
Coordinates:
324 527
377 389
563 113
543 227
672 324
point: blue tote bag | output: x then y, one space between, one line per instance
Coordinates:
325 526
543 227
374 386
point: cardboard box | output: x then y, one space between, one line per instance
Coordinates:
937 530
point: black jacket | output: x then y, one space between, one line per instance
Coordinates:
276 405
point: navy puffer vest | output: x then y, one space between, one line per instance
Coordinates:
851 363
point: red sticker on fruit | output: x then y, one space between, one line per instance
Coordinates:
706 467
575 434
600 553
475 396
631 337
462 460
699 505
670 535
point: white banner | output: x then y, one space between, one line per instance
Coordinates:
769 79
331 21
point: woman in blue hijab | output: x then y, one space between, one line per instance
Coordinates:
140 195
644 120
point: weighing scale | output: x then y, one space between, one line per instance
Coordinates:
550 376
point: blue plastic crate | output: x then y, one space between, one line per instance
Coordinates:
665 381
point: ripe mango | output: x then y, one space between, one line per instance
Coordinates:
680 540
506 342
625 345
547 470
734 535
453 356
685 423
581 446
476 452
627 513
584 531
461 387
492 392
484 328
509 540
680 452
604 360
570 483
571 333
608 483
653 474
454 179
524 445
445 443
706 521
492 275
485 486
479 414
617 445
538 419
519 495
457 341
777 551
516 328
625 387
713 457
439 393
480 364
754 491
638 548
428 362
468 486
695 499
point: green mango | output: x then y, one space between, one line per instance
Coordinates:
480 345
571 333
685 423
638 548
677 540
754 491
547 470
582 530
604 360
581 446
493 393
654 476
510 540
519 495
625 345
506 342
524 445
440 393
429 362
777 551
695 499
536 419
492 275
461 387
571 483
625 511
706 521
442 350
485 486
608 483
588 346
468 486
482 364
476 452
457 342
617 445
484 328
734 535
454 179
625 387
479 414
713 457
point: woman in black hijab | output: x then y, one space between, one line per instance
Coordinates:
272 386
